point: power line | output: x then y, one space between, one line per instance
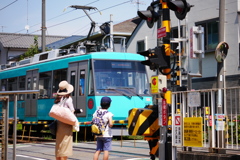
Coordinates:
77 18
8 5
52 19
89 14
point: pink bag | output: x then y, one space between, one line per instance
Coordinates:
62 114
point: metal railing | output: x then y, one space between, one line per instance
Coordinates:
206 118
4 97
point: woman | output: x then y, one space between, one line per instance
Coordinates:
64 131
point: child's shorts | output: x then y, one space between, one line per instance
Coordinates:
104 143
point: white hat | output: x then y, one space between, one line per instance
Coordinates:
64 88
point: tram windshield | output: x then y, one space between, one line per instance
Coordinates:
127 78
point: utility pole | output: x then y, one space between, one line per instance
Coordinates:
220 72
43 25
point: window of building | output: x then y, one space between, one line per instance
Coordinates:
210 34
140 46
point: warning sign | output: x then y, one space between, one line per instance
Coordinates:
192 132
177 120
177 134
154 85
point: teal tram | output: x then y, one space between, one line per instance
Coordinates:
118 75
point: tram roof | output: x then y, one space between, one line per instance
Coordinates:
63 61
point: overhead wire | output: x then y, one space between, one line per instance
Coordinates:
89 14
74 18
9 5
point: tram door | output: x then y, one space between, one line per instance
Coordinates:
77 74
31 99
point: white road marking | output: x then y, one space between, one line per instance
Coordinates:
30 157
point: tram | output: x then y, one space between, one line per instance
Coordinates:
118 75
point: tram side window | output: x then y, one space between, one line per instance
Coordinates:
21 84
91 87
58 76
12 86
82 82
72 80
44 85
3 84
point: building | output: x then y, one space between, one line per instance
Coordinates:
205 14
15 44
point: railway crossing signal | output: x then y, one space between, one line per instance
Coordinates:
180 7
149 15
157 58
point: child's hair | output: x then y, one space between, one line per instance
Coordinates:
105 105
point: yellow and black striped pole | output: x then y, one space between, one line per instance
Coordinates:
178 70
166 40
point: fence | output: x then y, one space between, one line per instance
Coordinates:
206 118
4 97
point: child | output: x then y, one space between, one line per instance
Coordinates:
104 142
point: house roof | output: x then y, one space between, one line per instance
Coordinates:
17 40
62 42
127 26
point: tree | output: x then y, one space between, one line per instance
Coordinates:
32 50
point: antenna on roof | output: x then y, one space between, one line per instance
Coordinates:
138 3
27 26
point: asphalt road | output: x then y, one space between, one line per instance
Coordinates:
121 150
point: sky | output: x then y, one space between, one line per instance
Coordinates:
25 16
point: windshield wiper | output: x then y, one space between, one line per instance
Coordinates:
120 92
130 89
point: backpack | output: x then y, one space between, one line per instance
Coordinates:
98 126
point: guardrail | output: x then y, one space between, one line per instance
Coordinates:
207 119
4 97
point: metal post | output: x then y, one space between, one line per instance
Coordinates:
5 130
15 127
5 112
220 73
166 40
43 25
179 64
111 33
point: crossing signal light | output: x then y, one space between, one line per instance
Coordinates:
157 58
160 57
150 54
149 15
180 7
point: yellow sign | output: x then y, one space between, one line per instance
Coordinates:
154 85
193 133
207 110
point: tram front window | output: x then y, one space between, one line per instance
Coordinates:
120 77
